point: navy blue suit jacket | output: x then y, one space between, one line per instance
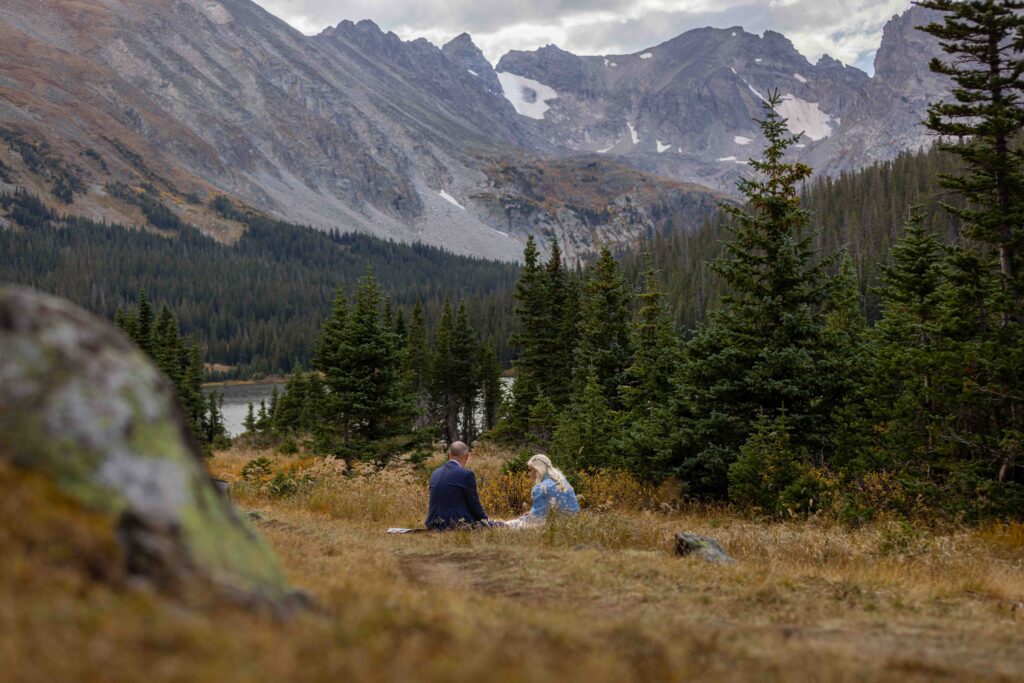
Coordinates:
453 497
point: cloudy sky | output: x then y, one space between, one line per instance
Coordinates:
849 30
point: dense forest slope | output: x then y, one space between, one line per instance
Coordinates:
858 212
257 302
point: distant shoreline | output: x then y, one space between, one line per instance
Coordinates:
242 382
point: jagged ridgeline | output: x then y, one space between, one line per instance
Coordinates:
255 304
861 212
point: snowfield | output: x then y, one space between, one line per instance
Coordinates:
805 117
528 97
741 140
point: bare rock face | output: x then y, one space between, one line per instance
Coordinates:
81 407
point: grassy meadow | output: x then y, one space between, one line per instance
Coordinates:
597 597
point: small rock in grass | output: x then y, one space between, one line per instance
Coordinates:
703 547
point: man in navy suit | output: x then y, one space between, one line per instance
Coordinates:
454 501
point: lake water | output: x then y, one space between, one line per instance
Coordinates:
237 398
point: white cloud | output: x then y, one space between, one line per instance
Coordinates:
849 30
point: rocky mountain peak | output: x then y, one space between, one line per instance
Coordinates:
463 52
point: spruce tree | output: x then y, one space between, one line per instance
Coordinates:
528 340
249 423
763 352
416 365
364 373
444 380
313 407
492 392
465 372
984 39
144 324
288 415
648 384
604 347
983 292
557 335
167 345
583 437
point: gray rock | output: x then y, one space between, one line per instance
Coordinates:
705 548
82 406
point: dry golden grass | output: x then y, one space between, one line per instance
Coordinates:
594 597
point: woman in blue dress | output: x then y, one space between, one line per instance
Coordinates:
551 491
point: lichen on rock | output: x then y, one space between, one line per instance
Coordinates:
82 406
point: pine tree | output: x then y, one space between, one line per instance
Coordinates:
167 344
313 407
583 438
492 392
416 365
288 414
604 347
984 39
359 356
444 381
144 324
528 340
556 339
249 423
649 382
465 372
764 351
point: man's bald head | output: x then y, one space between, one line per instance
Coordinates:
459 452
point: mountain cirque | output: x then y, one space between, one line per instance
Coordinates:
357 129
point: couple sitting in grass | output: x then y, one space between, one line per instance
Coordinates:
455 504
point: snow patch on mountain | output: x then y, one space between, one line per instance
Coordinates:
741 140
805 117
661 147
800 78
448 198
528 97
633 135
472 72
646 55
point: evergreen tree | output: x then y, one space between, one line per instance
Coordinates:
288 413
444 379
764 351
491 387
359 356
144 324
604 346
416 365
984 39
465 373
528 340
556 338
583 438
167 345
649 382
313 407
249 423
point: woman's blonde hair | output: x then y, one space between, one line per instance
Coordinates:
541 464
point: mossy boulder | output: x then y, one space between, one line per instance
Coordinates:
81 406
